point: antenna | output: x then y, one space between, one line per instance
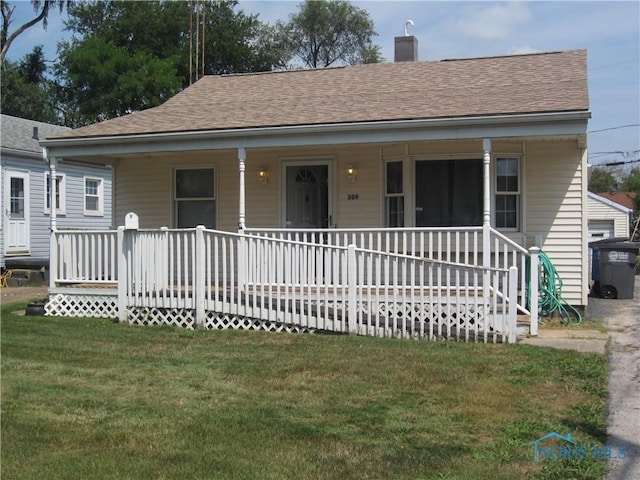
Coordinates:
406 27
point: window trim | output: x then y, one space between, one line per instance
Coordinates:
387 195
62 208
409 169
100 196
518 193
174 197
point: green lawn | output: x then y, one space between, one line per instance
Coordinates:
86 398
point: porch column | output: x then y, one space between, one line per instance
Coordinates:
486 204
53 188
242 156
53 248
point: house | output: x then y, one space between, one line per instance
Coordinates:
83 194
608 217
362 198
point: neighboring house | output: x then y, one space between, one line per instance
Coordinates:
83 197
437 164
607 217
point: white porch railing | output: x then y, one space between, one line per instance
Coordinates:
212 279
462 245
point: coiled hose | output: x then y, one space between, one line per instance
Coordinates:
550 299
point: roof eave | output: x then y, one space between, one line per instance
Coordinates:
610 203
456 128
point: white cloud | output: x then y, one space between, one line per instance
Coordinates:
522 50
493 22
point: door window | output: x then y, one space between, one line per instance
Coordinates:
307 204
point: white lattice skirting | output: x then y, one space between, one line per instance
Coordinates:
85 305
105 306
428 321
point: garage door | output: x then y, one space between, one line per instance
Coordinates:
600 229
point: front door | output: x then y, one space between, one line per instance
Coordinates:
307 196
16 190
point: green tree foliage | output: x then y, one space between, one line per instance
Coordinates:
631 183
25 90
602 180
103 81
127 56
325 33
41 9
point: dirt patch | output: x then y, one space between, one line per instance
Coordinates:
22 294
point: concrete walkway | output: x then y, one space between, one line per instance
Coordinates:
622 344
582 340
622 319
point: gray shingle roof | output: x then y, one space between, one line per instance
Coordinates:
519 84
17 133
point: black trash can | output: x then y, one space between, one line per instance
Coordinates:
595 261
617 272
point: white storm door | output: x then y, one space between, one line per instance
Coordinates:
16 191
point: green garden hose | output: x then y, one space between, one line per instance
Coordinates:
550 299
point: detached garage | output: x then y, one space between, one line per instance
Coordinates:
607 218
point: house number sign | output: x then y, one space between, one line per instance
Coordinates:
353 196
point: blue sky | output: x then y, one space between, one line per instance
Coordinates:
609 30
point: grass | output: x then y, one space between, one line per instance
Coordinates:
87 398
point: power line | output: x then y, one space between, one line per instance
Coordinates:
615 128
613 65
617 164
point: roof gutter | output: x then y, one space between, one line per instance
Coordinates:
555 123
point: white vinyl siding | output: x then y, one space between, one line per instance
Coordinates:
555 214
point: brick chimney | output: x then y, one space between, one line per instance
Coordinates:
406 47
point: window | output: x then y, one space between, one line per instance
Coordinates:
507 207
93 196
394 195
448 193
60 193
195 201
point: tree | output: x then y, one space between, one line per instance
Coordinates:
26 91
103 81
128 56
631 183
325 33
41 8
602 180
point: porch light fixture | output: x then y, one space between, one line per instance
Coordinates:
351 174
263 175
